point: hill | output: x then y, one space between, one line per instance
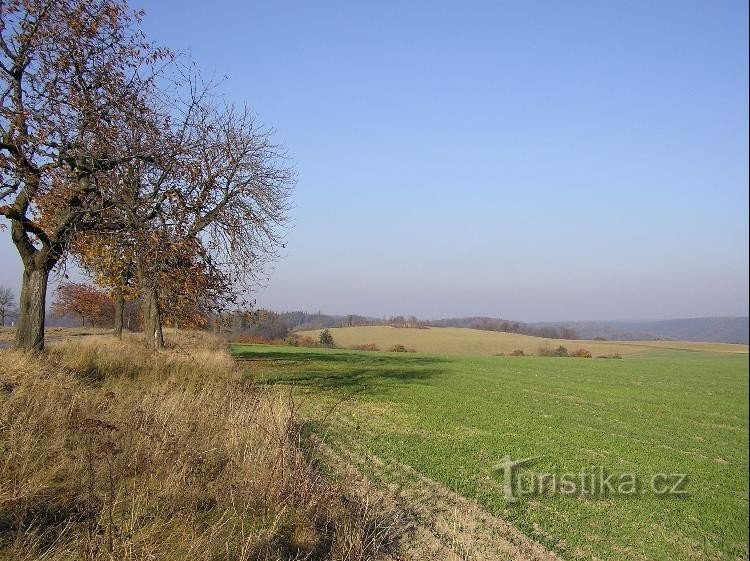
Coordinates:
711 329
463 341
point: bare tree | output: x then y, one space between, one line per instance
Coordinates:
7 304
215 202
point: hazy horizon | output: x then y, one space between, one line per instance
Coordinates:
583 162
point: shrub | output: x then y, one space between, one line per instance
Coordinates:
278 342
581 353
252 340
398 349
546 350
261 340
365 347
326 339
613 356
292 340
600 338
518 352
307 342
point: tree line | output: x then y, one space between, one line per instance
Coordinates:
115 153
272 325
507 326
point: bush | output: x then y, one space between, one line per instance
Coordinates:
365 347
278 342
398 349
308 342
600 338
326 339
261 340
292 340
252 340
546 350
518 352
581 353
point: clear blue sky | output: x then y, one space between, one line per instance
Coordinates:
535 160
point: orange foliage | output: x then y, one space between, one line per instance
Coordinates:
84 301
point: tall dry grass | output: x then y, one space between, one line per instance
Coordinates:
110 451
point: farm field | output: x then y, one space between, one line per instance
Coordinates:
7 334
399 418
464 341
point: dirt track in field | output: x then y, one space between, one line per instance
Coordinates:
435 523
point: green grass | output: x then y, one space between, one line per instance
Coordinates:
453 418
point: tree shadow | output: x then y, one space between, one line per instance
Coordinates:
331 369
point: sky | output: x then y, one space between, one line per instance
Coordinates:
527 160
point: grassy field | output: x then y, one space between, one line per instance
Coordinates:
8 334
453 418
461 341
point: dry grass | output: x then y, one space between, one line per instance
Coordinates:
462 341
8 334
110 451
365 347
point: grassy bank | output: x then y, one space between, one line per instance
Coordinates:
109 451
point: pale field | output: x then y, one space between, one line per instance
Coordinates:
463 341
7 334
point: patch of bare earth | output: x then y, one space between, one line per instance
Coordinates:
436 523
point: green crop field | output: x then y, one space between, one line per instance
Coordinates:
453 418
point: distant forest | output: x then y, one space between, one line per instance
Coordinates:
274 325
277 325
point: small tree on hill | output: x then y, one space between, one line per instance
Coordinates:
326 339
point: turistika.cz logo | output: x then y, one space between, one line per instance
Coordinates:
590 481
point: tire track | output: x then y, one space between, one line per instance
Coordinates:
437 523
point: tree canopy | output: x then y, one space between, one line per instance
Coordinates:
113 150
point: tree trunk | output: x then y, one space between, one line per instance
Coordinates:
152 332
148 326
30 330
119 306
158 332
